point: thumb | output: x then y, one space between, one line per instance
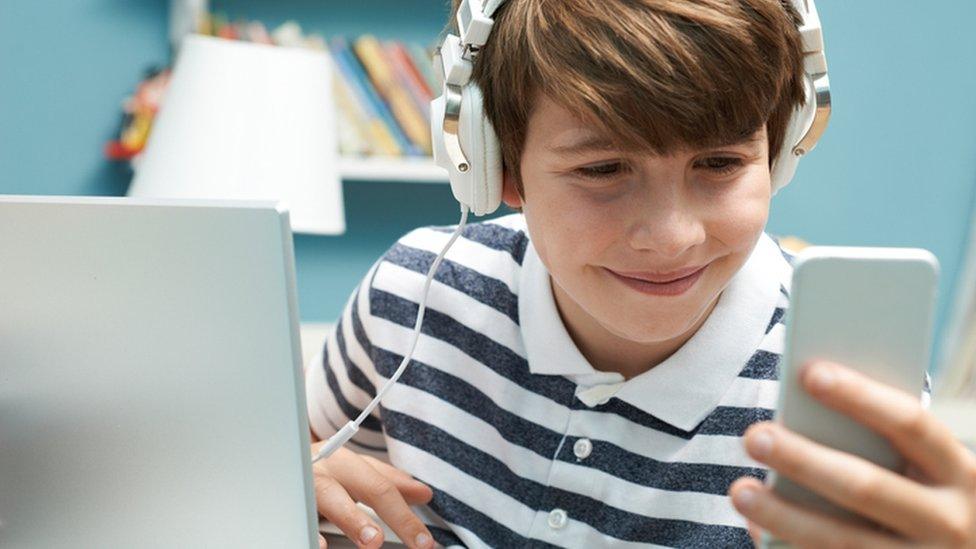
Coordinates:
322 543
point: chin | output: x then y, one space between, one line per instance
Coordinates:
647 330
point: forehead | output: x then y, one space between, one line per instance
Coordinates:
557 130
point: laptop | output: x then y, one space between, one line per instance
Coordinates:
151 390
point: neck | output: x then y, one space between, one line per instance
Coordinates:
608 352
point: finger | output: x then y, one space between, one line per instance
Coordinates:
754 532
413 491
335 504
322 543
368 485
897 415
851 481
799 526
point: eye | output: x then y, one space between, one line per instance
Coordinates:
602 171
720 165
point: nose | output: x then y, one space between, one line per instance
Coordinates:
667 228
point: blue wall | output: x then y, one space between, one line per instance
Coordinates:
897 166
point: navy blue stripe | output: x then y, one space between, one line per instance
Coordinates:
777 316
351 412
443 536
492 532
762 365
782 290
723 420
732 421
478 346
353 440
495 237
604 518
487 290
458 392
706 478
360 334
616 461
356 375
506 363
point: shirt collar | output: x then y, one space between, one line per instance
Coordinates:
688 385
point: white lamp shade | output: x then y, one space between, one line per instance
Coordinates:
248 121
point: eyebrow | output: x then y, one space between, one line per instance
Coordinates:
599 142
586 143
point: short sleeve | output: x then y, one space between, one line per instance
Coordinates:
341 380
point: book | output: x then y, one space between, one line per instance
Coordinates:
377 108
351 129
380 121
408 76
411 120
424 61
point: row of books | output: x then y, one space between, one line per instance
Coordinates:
382 90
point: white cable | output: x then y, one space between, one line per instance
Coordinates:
349 429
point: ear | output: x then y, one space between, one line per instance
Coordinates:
510 194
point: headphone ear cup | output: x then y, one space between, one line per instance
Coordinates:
481 146
786 162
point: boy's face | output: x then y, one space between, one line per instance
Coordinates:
601 218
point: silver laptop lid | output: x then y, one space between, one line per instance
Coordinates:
150 376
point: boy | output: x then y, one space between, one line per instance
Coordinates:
592 384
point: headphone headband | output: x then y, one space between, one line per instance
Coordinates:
461 131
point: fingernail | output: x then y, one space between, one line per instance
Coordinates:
423 540
368 534
821 378
745 498
761 444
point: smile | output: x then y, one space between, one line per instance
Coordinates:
671 288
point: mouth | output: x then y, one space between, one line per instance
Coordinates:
660 278
667 284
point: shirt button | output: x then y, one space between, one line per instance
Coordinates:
582 448
557 518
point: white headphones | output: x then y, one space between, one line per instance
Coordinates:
466 146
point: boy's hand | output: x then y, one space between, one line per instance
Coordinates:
346 477
934 505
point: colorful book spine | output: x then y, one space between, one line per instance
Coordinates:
408 77
424 61
353 133
380 120
414 124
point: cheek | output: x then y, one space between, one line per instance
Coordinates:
736 217
565 227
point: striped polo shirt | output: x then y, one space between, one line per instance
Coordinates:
522 441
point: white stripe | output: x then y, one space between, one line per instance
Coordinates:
645 501
497 264
658 445
546 413
471 491
614 491
773 341
751 393
353 394
449 359
470 312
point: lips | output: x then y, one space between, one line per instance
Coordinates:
661 278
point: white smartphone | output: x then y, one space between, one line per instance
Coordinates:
870 309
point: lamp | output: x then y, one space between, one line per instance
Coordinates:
248 121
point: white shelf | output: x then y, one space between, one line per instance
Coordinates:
409 170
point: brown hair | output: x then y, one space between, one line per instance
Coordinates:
656 74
